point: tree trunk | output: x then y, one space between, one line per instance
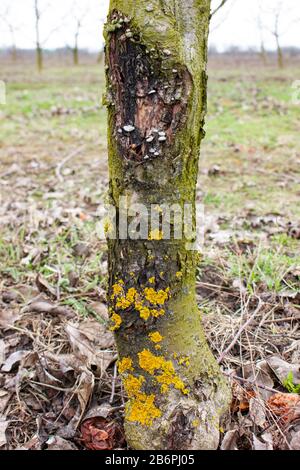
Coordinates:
75 55
263 53
279 53
76 48
39 58
156 58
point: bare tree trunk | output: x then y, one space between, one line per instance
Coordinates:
279 53
39 57
39 50
156 58
76 52
263 53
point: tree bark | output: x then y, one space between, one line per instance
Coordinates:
39 49
76 53
279 53
156 54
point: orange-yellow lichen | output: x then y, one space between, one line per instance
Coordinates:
145 313
122 303
125 364
142 410
141 407
117 320
185 361
117 289
142 301
158 313
154 364
131 295
156 297
156 337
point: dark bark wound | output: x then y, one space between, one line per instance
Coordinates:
150 96
181 433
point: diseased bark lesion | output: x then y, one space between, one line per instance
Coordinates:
150 103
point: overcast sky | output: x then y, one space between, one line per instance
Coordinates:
234 25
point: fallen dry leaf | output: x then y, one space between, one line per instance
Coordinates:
3 426
44 286
260 375
295 438
85 389
4 399
282 369
14 359
2 352
285 405
100 434
265 444
230 440
257 412
43 306
92 343
241 398
8 316
11 296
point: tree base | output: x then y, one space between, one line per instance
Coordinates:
187 423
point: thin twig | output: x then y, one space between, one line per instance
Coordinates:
66 160
112 396
243 327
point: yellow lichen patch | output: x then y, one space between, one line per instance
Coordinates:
156 234
142 410
179 274
145 313
184 361
122 303
117 290
156 297
156 337
133 385
158 313
142 301
153 364
131 295
196 423
157 347
125 364
117 320
141 406
149 362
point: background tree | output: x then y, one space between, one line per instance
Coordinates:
156 96
40 41
277 33
78 14
277 17
217 8
7 18
260 28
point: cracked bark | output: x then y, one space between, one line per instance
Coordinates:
156 57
